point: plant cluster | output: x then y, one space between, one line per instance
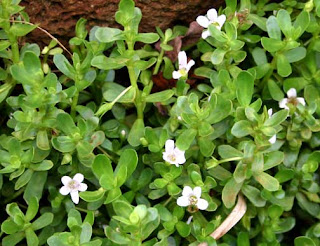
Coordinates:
129 140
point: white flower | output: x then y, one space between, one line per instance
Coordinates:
212 18
172 154
73 186
292 99
184 66
192 198
273 139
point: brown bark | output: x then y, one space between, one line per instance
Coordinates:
60 16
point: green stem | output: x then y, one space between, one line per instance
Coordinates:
74 104
138 100
159 61
104 152
167 201
14 48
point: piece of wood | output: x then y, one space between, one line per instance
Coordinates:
59 17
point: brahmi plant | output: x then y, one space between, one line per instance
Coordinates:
206 135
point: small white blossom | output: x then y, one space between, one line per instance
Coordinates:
192 198
184 66
292 99
172 154
211 18
273 139
73 186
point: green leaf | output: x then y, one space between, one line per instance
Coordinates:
275 91
206 146
273 28
32 238
241 129
268 182
220 108
183 229
64 144
20 30
136 133
113 195
42 140
35 186
113 90
9 227
102 166
284 22
217 56
295 54
254 195
33 206
303 241
125 12
245 85
66 124
122 208
186 138
43 221
23 179
30 65
283 66
302 21
107 34
230 192
160 96
147 38
277 118
13 239
4 44
92 196
117 237
227 151
271 44
86 233
64 66
129 159
108 63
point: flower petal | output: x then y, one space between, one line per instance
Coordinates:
212 15
202 204
190 64
301 100
65 180
205 34
182 58
169 145
273 139
78 177
176 75
292 92
64 190
75 196
187 191
183 201
197 191
180 159
221 20
270 112
83 187
283 103
202 21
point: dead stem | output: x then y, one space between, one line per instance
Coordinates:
46 32
233 218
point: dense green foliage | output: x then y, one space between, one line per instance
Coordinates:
97 112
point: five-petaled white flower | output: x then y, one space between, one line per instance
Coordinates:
273 139
212 18
192 198
73 186
292 99
184 66
172 154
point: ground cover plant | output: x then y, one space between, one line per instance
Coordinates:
199 135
